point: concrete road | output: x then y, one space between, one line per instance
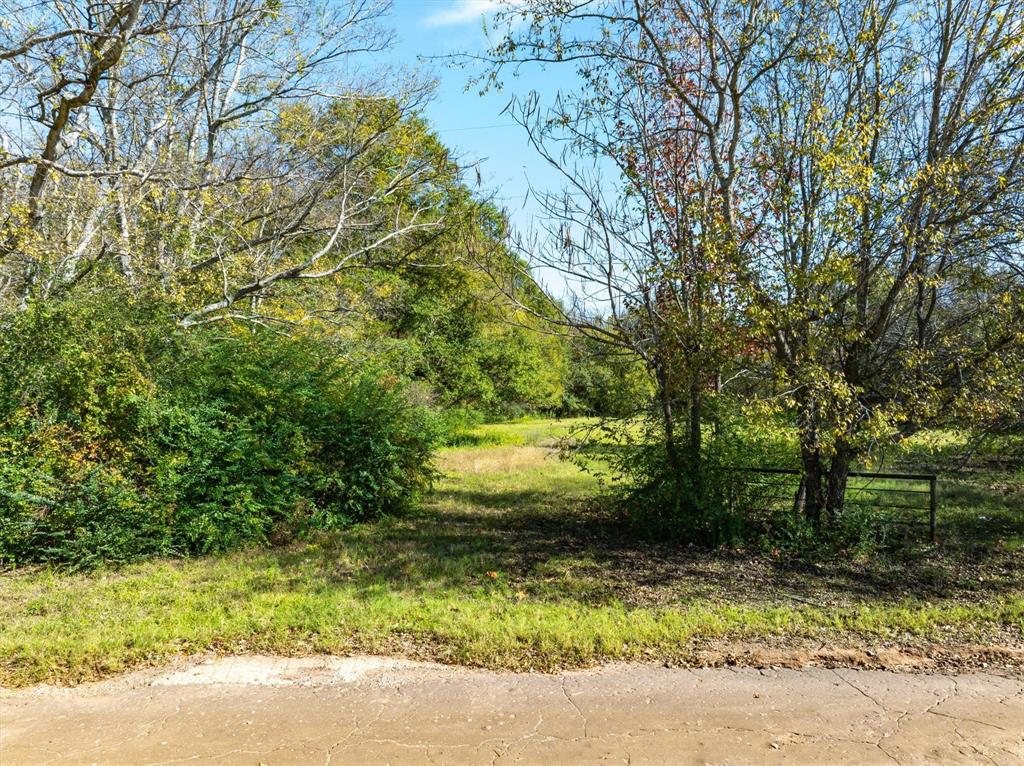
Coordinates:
253 710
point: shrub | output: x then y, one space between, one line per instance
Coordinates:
122 436
702 504
457 426
716 505
859 530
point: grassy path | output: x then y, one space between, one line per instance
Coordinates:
505 566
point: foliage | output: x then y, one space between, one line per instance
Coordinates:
453 334
455 331
122 436
572 587
426 307
858 530
788 209
706 503
605 381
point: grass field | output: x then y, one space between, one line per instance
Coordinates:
510 563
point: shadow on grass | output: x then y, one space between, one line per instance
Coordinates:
565 547
502 500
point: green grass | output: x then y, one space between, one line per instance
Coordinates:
528 431
510 565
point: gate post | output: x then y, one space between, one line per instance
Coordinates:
933 503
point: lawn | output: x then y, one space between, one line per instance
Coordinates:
512 563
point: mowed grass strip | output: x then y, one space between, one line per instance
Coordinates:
67 630
480 577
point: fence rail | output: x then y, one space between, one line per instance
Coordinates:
867 491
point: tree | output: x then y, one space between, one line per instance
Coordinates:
863 167
886 270
646 234
425 308
449 327
179 143
605 381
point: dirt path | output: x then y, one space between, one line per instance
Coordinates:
252 710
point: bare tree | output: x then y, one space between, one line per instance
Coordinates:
215 149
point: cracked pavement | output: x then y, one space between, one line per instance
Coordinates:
366 710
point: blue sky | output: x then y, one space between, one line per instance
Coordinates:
471 124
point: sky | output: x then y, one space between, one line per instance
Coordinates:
472 125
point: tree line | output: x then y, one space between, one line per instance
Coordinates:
245 289
241 284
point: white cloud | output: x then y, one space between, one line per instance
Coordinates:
463 12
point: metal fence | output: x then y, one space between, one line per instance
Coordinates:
774 488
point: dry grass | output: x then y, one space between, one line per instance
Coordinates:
495 460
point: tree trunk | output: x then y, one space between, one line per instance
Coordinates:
835 497
668 422
683 454
694 446
811 483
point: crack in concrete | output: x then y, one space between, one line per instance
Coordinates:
852 685
704 728
207 756
931 709
357 727
972 747
952 693
426 745
572 702
892 733
965 718
1019 755
903 716
502 752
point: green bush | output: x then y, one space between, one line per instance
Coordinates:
123 436
717 503
605 382
458 425
859 530
702 504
